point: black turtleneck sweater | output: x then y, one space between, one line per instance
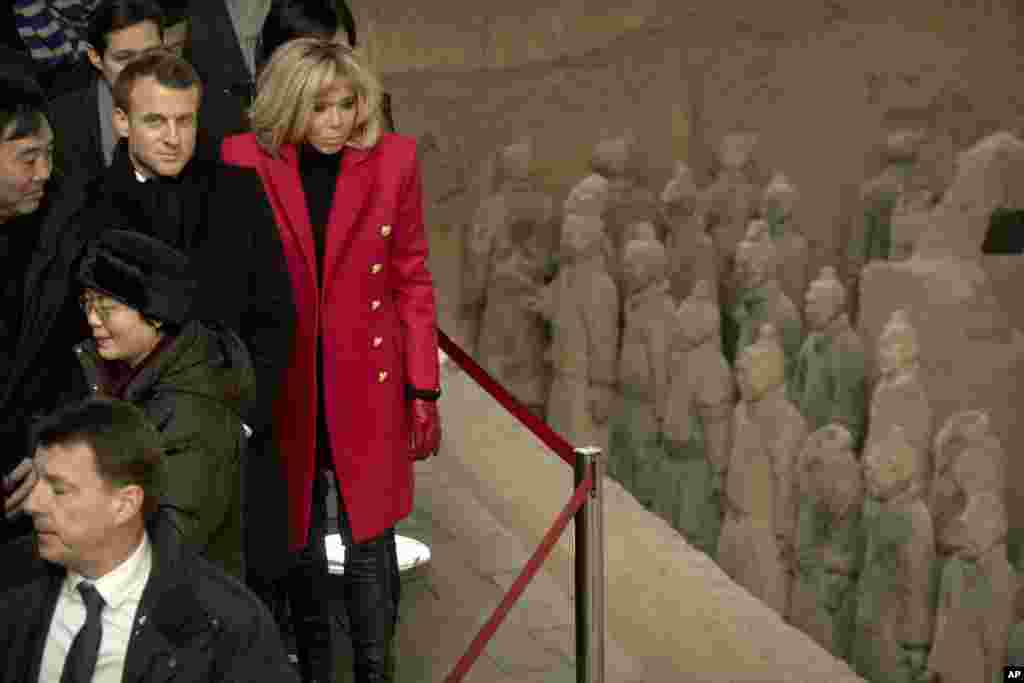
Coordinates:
319 173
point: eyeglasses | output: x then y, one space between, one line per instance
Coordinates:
103 306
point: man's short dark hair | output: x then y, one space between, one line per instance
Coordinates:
169 70
127 447
290 19
114 15
22 107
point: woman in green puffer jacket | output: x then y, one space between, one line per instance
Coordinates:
191 378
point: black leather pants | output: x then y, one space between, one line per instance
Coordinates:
371 591
307 590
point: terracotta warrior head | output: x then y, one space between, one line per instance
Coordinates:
757 259
516 161
953 437
981 526
979 465
825 299
903 145
581 237
889 465
760 367
645 262
588 197
736 151
779 198
898 349
826 456
611 157
698 316
680 194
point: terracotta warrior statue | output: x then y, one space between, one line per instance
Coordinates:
691 253
899 396
730 202
760 299
756 547
636 456
514 199
969 460
829 383
910 217
829 543
871 237
975 606
895 607
698 420
583 307
778 202
512 338
628 200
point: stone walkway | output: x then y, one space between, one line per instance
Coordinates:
474 561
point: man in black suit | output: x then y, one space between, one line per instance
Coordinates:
119 31
106 570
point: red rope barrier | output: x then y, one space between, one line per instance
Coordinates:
525 576
540 429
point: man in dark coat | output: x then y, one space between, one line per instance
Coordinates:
219 216
119 31
102 540
31 214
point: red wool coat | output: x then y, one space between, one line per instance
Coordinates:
379 323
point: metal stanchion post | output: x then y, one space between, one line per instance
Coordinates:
590 570
583 576
598 604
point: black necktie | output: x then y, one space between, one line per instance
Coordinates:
81 660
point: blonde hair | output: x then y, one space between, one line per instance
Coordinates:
288 85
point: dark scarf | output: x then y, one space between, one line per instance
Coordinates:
169 209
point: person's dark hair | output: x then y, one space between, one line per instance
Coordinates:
289 19
127 447
22 107
114 15
169 70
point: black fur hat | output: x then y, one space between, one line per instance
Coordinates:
150 276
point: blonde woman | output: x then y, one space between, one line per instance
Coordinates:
359 396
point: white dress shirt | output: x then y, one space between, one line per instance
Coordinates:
121 589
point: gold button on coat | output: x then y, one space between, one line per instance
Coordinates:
377 341
385 230
382 375
376 268
375 304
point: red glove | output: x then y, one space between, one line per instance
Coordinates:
426 429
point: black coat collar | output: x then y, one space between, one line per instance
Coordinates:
121 198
